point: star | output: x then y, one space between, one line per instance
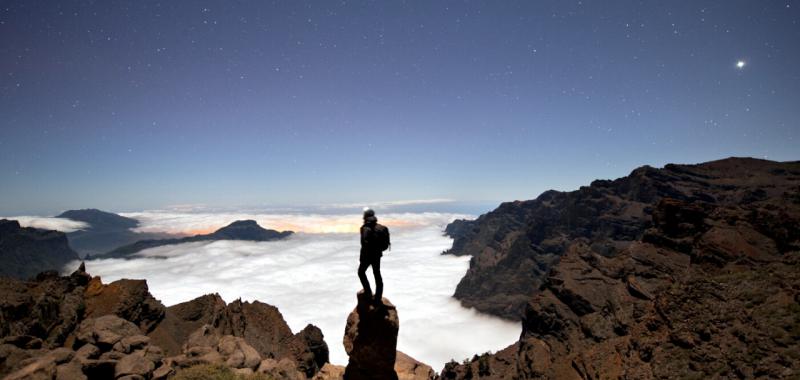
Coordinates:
740 64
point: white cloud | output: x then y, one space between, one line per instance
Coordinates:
48 223
311 278
175 222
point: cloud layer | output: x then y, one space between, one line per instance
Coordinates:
311 278
48 223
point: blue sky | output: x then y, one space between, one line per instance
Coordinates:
135 105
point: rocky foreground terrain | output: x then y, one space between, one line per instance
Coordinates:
690 271
75 327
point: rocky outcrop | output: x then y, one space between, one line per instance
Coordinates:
514 247
238 230
46 310
707 289
26 251
370 340
259 324
77 327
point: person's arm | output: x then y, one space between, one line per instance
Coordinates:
363 236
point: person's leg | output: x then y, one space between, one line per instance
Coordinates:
362 275
376 270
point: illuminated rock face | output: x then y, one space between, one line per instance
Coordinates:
706 288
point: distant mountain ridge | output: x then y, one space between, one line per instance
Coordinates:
105 231
27 251
98 219
238 230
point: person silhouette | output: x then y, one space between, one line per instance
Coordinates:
374 240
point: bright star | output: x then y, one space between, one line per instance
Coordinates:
740 64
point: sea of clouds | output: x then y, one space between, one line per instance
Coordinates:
48 223
311 276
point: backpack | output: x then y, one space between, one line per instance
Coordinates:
382 241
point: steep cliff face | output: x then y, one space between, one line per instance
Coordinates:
514 247
25 251
708 287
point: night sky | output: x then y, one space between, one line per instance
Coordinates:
143 104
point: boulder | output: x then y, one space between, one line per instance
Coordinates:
70 371
284 369
330 372
408 368
105 331
239 354
43 368
134 364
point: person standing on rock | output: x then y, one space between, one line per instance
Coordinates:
374 240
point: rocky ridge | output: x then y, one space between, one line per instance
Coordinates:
690 271
26 251
75 327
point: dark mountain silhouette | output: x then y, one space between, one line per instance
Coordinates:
100 219
238 230
690 271
105 231
26 251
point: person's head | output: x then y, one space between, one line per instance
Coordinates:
369 216
368 213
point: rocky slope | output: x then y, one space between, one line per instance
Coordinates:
105 231
24 252
690 271
238 230
76 327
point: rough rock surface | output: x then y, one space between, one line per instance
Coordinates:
26 251
370 340
260 325
76 327
708 286
406 367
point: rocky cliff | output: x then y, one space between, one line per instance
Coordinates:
690 271
514 247
25 251
76 327
238 230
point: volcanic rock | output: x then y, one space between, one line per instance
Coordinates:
26 251
706 287
370 340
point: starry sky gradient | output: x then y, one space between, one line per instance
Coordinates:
143 104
